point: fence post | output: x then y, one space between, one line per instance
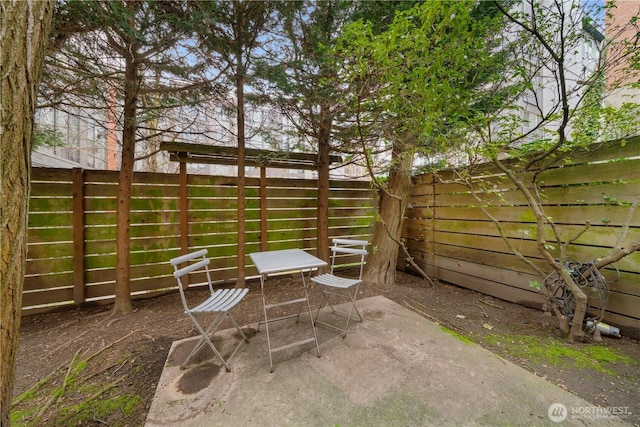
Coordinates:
79 291
184 215
264 241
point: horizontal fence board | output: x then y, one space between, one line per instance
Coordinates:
576 195
210 215
518 295
299 203
287 193
159 243
48 251
50 204
600 235
623 304
54 219
48 281
49 235
48 296
628 321
217 192
220 227
622 282
503 260
206 180
52 265
597 215
587 173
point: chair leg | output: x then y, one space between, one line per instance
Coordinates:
205 339
349 315
351 309
244 339
353 304
319 307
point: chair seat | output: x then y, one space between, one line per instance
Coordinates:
221 300
335 281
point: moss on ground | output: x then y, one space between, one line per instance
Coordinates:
559 353
464 339
108 411
69 397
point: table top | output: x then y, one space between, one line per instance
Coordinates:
285 260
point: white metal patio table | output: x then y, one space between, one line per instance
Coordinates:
287 260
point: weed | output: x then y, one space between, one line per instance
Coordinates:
107 410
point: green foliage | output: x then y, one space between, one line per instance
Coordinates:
611 200
422 75
43 137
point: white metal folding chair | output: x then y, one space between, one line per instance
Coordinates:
219 303
342 288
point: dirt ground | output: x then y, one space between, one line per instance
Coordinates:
88 367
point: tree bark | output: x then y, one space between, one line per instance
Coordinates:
324 134
242 179
382 261
125 179
24 31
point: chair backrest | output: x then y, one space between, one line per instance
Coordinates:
349 246
202 264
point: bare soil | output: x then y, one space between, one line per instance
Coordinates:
92 368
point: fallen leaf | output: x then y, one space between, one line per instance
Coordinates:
487 326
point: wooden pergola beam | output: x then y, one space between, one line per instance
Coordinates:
210 154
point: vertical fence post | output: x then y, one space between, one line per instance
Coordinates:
264 242
184 210
79 291
431 241
184 215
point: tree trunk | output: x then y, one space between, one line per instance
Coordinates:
382 261
24 31
125 179
242 180
323 186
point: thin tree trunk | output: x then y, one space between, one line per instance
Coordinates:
323 186
24 31
125 179
241 169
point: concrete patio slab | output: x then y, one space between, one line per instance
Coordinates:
395 368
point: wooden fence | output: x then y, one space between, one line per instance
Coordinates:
453 240
72 228
72 231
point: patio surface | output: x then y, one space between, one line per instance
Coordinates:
395 368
